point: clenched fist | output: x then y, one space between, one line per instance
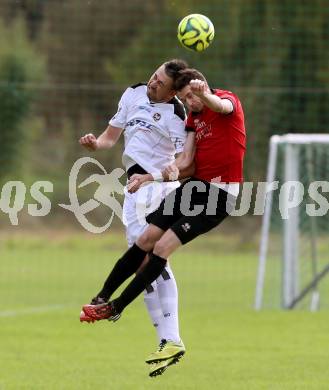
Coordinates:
198 87
89 141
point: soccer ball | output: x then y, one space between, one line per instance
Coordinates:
195 32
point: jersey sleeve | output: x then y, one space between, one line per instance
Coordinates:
120 118
177 133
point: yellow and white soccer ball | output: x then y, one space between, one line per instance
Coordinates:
195 32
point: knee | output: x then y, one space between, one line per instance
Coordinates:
160 248
146 241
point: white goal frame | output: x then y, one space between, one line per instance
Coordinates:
290 287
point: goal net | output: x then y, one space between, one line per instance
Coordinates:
294 246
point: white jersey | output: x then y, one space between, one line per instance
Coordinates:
153 132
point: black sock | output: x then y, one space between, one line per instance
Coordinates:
125 267
151 271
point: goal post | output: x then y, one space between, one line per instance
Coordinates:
294 245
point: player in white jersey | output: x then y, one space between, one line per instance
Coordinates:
153 122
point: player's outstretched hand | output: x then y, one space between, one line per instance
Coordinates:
198 87
136 181
89 141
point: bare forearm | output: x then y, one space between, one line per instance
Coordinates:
212 101
104 141
187 171
185 159
185 165
215 103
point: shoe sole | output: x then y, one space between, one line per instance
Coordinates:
89 321
158 372
161 370
92 320
178 355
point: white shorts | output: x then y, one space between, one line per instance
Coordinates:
138 205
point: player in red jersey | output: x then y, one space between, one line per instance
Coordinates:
216 143
216 117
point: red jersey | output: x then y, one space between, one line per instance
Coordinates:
220 142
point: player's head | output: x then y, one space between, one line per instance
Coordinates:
161 86
184 92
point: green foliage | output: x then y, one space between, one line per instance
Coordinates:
14 106
274 55
78 39
20 66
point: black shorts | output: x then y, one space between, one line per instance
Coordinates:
192 209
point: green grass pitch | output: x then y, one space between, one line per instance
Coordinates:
43 284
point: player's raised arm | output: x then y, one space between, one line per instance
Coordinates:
105 141
201 89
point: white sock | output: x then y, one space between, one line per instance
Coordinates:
168 296
152 302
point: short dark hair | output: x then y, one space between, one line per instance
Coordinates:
174 67
185 76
